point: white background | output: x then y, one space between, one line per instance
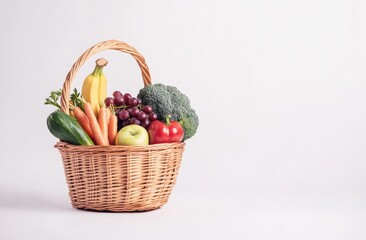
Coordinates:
279 87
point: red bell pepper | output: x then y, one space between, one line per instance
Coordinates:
168 132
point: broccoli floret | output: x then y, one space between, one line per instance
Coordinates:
190 123
158 97
168 100
177 97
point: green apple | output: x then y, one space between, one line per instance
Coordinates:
131 135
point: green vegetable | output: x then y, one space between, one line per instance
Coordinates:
67 128
168 100
76 99
189 121
53 99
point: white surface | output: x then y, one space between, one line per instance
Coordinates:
280 90
210 216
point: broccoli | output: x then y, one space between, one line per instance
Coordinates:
189 122
168 100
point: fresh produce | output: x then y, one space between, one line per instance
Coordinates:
67 128
108 112
189 121
54 98
57 121
83 121
129 110
94 125
168 100
132 135
167 132
102 118
94 89
103 123
75 99
112 129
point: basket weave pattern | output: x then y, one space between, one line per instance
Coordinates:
118 178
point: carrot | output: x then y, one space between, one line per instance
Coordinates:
109 113
112 129
99 140
83 121
103 123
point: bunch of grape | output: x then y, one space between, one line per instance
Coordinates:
130 110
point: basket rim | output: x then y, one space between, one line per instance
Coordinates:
111 148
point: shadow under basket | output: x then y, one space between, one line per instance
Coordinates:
120 178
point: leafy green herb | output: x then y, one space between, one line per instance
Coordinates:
76 100
53 99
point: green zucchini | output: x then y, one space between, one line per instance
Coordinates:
67 128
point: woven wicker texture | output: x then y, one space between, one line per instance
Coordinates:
118 178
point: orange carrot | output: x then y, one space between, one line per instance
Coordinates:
72 114
112 129
109 113
99 140
83 121
103 123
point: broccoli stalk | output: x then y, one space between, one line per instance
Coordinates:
168 100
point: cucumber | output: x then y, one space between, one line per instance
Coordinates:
67 128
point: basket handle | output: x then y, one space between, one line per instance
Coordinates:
102 46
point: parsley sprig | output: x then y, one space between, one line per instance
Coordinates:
76 100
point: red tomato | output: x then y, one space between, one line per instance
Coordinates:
160 132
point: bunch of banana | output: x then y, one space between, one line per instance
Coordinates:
95 86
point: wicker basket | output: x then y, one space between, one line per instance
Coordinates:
118 178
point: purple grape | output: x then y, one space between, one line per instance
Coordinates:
133 101
134 111
145 123
147 109
118 101
152 117
141 116
125 123
117 94
135 121
129 110
127 97
124 115
139 101
108 101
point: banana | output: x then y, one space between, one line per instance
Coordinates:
102 89
94 88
